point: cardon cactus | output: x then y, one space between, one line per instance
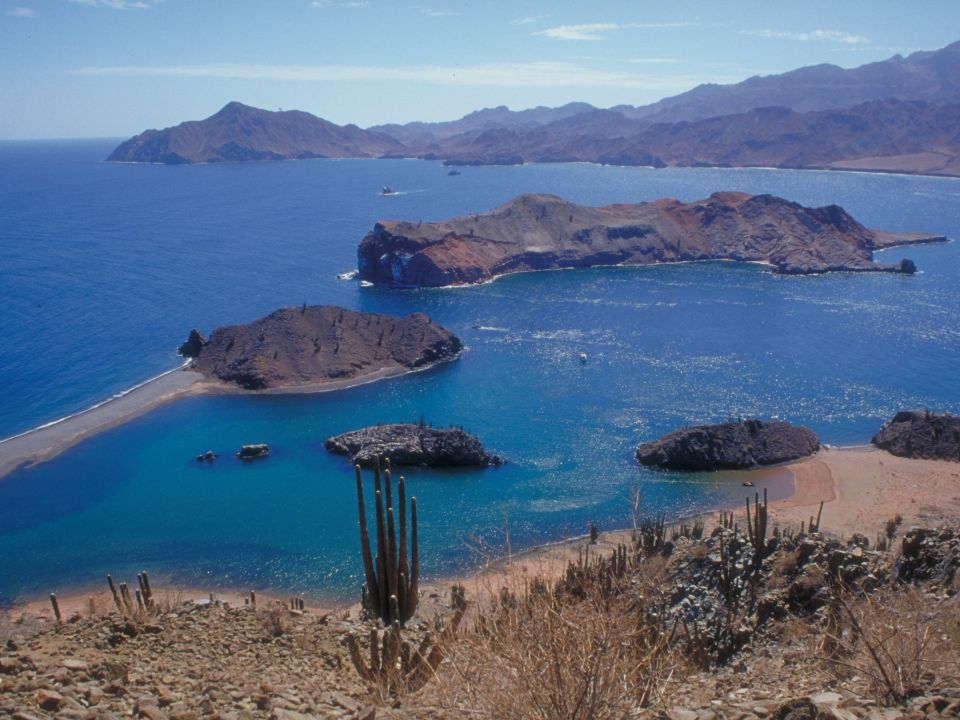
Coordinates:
389 574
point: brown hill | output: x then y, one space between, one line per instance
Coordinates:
880 135
241 133
321 344
542 232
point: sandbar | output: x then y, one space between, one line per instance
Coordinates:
47 441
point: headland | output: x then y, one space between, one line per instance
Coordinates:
545 232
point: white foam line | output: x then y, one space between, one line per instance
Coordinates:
100 404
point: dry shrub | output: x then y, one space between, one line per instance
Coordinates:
171 601
902 641
546 656
276 620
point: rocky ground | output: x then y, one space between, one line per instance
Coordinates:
776 647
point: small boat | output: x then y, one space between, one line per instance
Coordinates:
747 483
387 190
349 275
366 283
454 173
583 358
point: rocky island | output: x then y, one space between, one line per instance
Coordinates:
319 345
240 133
413 444
914 434
729 446
545 232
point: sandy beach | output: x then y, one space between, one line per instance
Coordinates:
861 489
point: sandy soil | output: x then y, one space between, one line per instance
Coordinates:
864 487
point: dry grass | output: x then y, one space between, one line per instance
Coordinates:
902 641
534 653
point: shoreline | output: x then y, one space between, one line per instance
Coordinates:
46 441
862 487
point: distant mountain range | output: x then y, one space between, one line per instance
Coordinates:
899 115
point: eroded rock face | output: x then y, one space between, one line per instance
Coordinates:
194 344
543 232
315 345
409 444
729 446
916 434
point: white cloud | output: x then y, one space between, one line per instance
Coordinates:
118 4
589 31
813 35
21 12
535 74
432 12
594 31
530 20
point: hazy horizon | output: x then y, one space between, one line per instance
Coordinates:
113 68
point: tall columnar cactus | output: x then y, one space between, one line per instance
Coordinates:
389 574
757 528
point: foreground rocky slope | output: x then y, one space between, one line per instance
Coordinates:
320 344
750 640
921 435
729 446
542 232
410 444
241 133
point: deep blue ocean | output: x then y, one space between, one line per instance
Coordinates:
105 268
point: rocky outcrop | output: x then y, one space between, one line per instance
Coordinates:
409 444
239 133
543 232
321 344
254 452
921 435
729 446
194 344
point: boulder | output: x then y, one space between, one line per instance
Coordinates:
411 444
729 446
915 434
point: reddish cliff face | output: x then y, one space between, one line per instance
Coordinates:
543 232
322 343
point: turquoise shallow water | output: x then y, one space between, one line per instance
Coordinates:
104 269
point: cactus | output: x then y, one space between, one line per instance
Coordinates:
757 528
389 574
395 667
814 527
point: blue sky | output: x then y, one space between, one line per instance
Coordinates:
111 68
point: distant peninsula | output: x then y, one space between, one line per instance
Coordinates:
240 133
320 345
544 232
